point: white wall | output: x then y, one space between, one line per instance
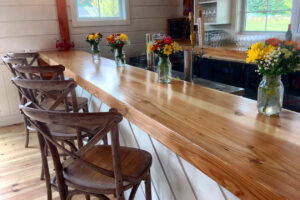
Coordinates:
147 16
33 25
25 24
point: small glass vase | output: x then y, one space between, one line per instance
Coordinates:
270 95
120 57
164 70
96 52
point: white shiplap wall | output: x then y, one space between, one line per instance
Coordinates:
33 25
147 16
25 24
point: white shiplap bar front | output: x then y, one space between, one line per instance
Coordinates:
173 178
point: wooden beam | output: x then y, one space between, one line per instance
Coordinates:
63 20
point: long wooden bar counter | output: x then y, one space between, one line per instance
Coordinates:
253 156
228 53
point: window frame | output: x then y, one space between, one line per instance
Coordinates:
108 21
293 20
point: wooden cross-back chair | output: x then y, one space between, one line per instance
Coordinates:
54 96
32 58
97 170
57 71
9 62
39 72
36 73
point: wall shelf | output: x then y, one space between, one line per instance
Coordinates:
215 12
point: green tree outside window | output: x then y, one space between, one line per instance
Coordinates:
268 15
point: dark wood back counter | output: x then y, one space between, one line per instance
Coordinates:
253 156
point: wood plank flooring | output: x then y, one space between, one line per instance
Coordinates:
20 167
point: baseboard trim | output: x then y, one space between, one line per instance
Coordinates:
12 119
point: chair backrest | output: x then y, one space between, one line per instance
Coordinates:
39 91
107 121
38 72
9 62
32 57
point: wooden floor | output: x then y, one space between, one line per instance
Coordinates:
20 167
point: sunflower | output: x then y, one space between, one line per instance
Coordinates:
168 49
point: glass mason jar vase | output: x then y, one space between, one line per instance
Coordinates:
270 95
164 70
120 57
96 52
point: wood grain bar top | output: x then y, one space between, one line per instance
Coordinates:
227 53
253 156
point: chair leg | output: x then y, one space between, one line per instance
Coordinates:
85 109
27 133
45 167
27 138
133 192
87 197
148 187
42 174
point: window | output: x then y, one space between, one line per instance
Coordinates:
267 15
100 12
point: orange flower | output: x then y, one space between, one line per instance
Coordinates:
155 47
110 39
290 43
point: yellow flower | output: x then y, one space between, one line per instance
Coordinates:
168 49
91 37
123 37
150 45
96 36
176 46
255 52
268 49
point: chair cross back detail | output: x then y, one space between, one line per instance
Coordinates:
9 62
32 57
38 72
56 91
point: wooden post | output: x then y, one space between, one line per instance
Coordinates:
63 20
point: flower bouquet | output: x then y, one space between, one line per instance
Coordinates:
164 48
94 39
273 59
64 45
117 42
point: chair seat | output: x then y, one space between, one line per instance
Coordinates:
135 163
81 102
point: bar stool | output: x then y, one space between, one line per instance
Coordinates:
96 170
